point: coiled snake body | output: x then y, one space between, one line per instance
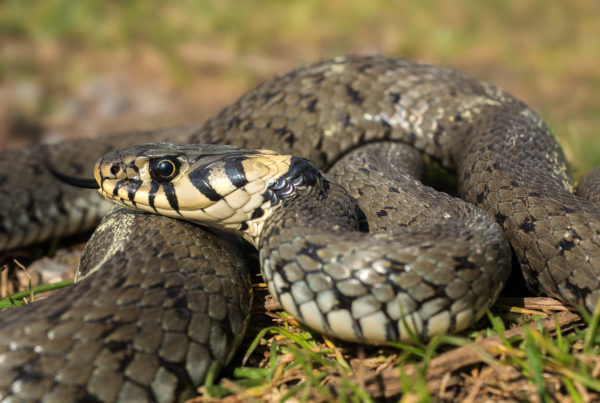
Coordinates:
137 328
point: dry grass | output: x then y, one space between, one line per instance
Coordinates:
549 353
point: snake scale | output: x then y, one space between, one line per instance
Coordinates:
161 301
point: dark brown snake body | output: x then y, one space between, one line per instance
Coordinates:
138 330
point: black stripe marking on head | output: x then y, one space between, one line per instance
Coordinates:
132 189
133 167
154 186
235 171
171 197
118 186
200 182
100 174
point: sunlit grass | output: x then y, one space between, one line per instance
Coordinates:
303 365
17 299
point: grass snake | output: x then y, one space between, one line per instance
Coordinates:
161 301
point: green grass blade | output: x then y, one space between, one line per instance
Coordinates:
16 298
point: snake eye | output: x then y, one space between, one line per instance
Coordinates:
164 169
114 169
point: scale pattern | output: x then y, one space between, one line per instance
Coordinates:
507 161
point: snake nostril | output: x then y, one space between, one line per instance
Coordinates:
114 169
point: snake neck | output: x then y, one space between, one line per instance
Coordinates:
326 207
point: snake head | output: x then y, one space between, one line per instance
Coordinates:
219 186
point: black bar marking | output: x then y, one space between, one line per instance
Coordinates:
171 196
235 171
118 186
132 189
200 182
154 186
257 213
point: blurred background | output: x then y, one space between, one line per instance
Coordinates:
82 68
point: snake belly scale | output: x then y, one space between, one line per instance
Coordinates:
507 163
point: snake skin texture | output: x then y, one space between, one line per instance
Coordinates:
416 281
589 186
143 335
438 267
507 162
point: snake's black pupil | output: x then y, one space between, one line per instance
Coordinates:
114 169
165 169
